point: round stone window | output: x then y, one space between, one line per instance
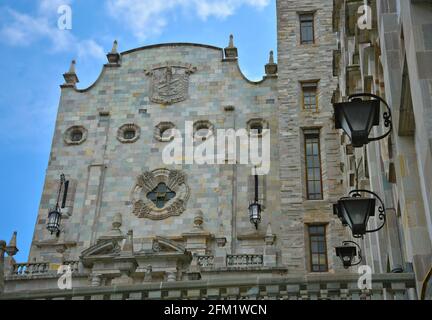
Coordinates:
160 194
164 132
203 129
128 133
256 126
75 135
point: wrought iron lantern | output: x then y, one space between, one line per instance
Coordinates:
54 214
54 218
255 207
348 252
357 117
356 210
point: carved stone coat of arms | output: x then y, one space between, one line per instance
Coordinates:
170 83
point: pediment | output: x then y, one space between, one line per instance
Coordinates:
102 248
164 245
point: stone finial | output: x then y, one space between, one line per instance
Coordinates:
113 56
148 274
11 248
198 219
271 67
231 52
115 231
70 76
270 237
128 243
231 41
114 47
117 221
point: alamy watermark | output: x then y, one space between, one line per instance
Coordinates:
65 280
365 280
364 22
225 146
64 22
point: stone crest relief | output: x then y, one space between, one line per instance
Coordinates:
170 83
160 194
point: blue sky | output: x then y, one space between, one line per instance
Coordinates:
35 54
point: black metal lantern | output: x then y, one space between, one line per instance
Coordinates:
348 252
357 117
54 218
255 207
355 212
54 214
337 213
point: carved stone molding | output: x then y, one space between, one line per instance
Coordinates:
161 128
147 182
129 127
71 135
170 82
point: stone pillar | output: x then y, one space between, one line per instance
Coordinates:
270 251
220 253
197 238
96 280
2 252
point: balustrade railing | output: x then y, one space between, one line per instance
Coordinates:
206 261
244 260
30 268
38 268
310 287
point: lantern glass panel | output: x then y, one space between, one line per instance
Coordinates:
357 118
356 212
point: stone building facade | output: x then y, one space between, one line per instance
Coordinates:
136 228
393 60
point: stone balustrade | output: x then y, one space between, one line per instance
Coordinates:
308 287
244 260
38 268
206 261
30 268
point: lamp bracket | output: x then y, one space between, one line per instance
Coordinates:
387 115
381 207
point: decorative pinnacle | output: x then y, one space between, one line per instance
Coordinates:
271 67
231 50
113 56
271 58
70 76
11 248
72 67
114 47
231 41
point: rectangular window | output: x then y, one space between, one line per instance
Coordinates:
318 248
310 96
313 165
307 28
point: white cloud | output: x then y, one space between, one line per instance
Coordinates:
19 29
148 17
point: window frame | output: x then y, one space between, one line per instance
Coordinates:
302 15
311 253
311 84
306 133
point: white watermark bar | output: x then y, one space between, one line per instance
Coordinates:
225 146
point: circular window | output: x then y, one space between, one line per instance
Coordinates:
164 132
203 130
257 126
128 133
75 135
